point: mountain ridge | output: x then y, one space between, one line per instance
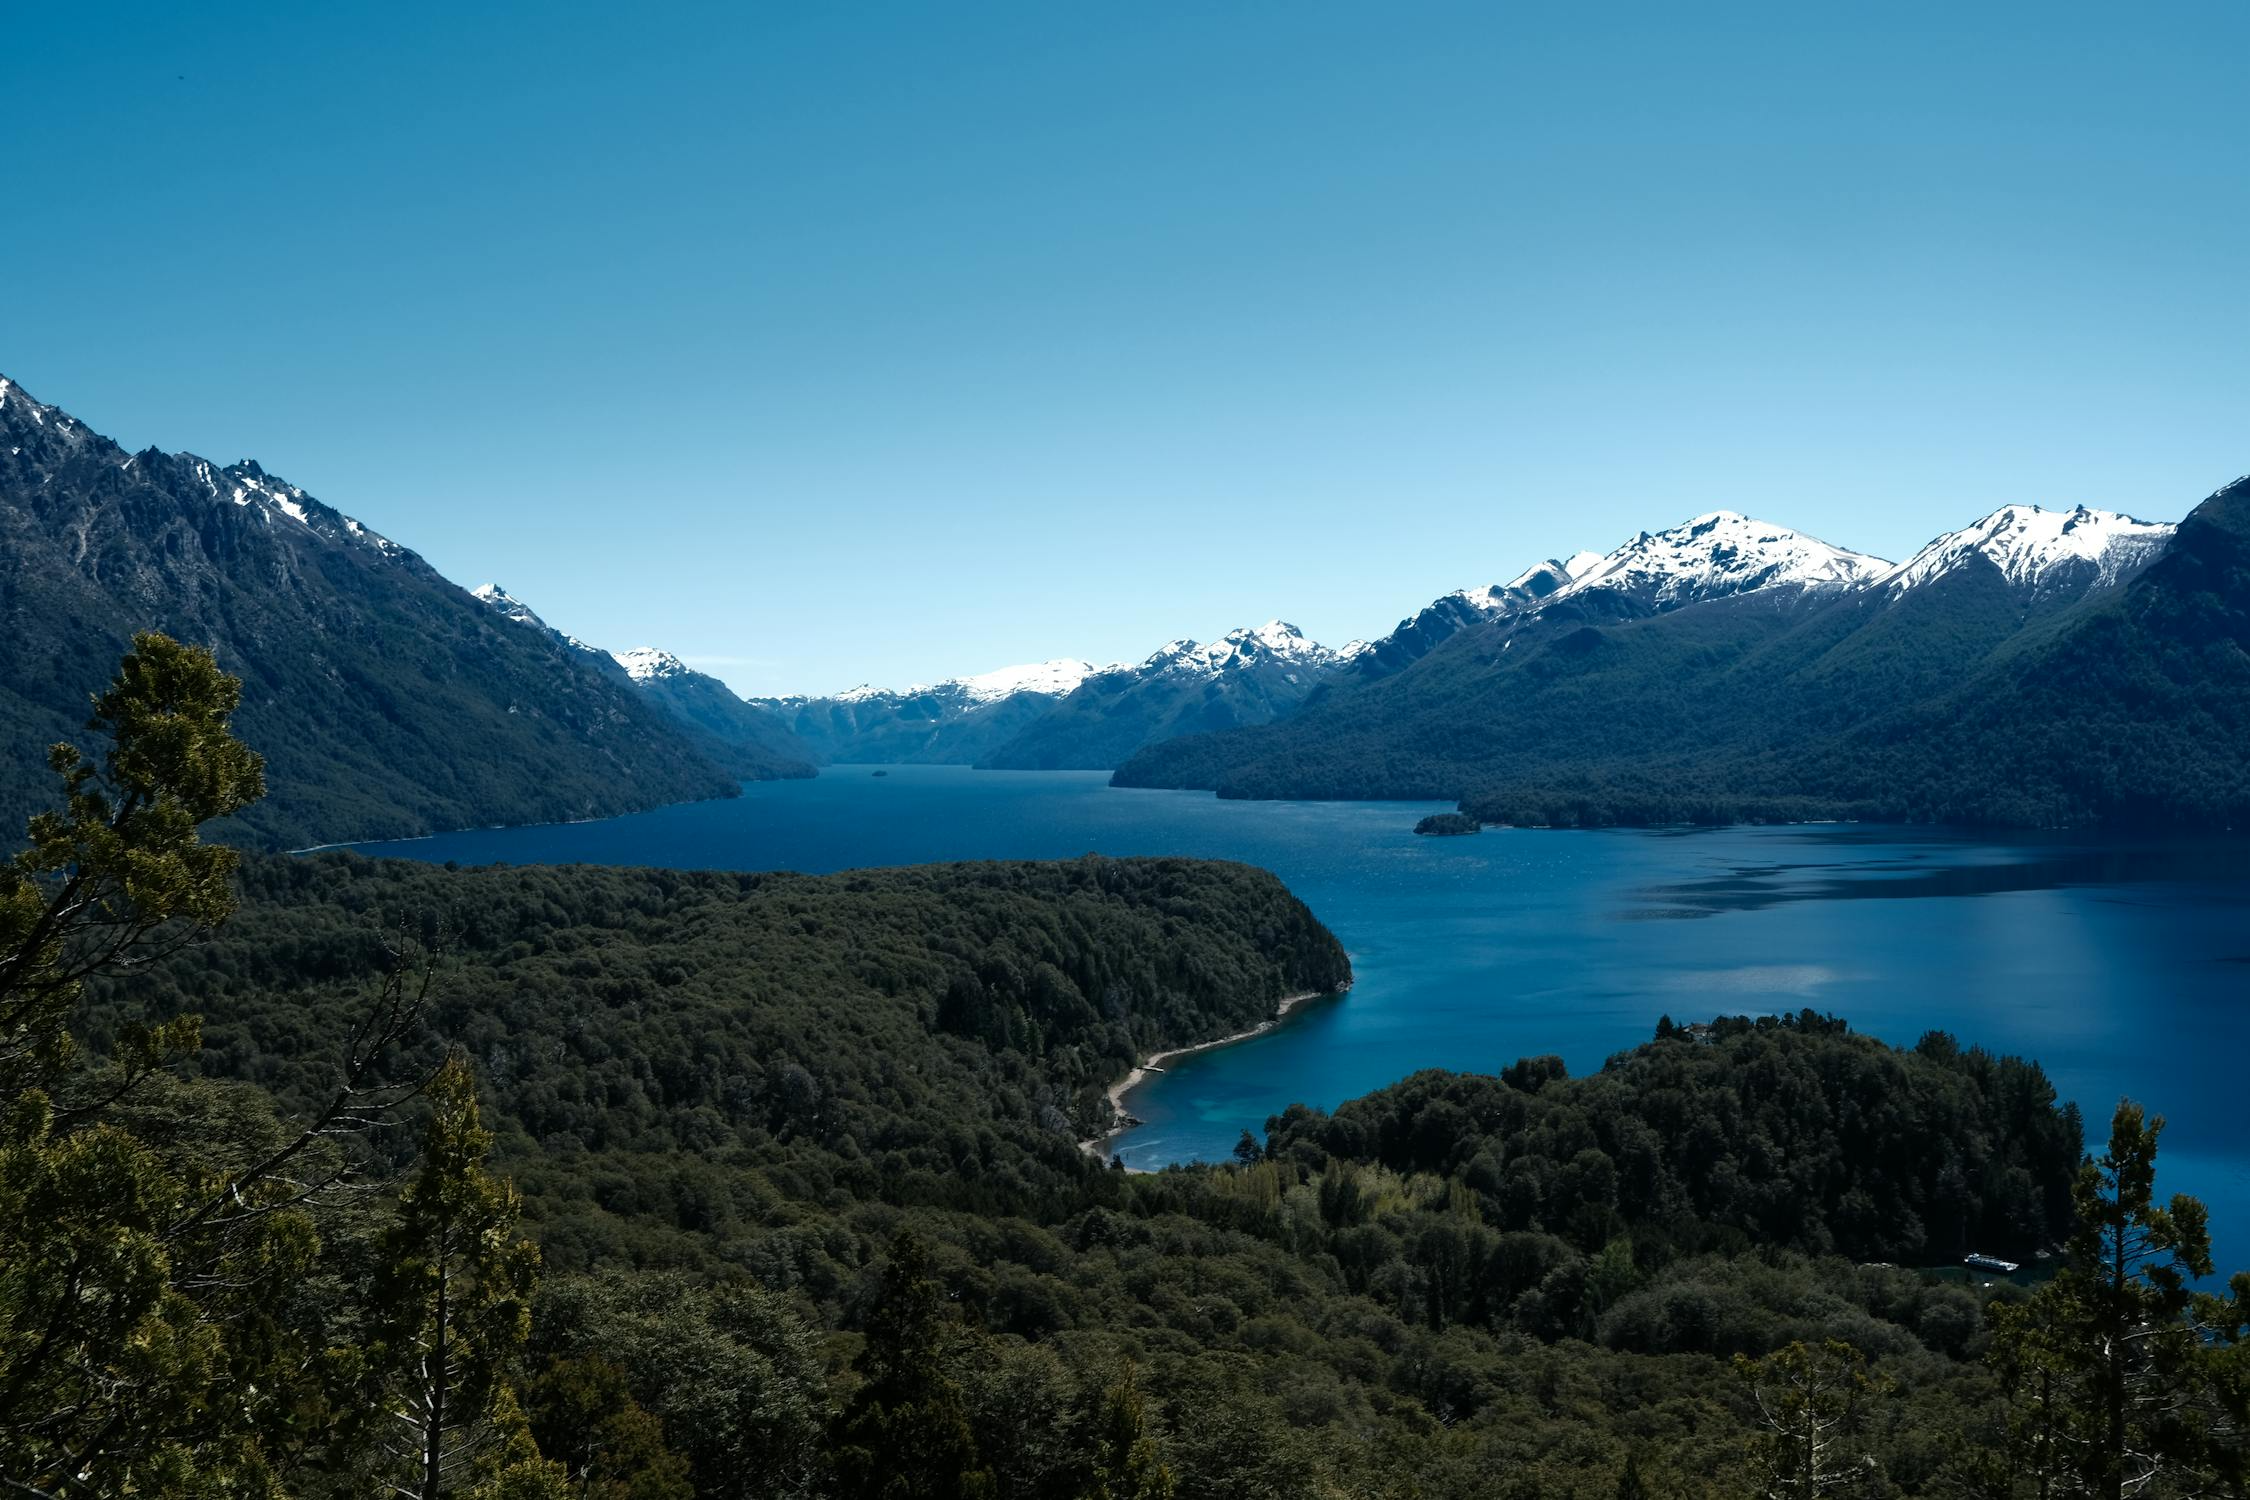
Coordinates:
1861 697
388 702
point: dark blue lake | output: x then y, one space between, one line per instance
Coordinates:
2124 967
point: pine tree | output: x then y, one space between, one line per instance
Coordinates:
905 1434
2105 1363
135 1353
452 1307
1126 1465
1810 1401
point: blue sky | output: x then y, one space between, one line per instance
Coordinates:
885 342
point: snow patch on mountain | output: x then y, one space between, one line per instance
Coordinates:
1049 679
509 607
647 664
2031 546
1274 641
1721 553
1052 679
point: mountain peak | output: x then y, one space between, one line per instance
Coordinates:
48 431
2038 549
646 663
1052 679
1718 553
501 602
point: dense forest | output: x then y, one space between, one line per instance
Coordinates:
333 1177
1960 702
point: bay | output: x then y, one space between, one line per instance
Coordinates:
2123 965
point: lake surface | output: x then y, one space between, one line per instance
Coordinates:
2123 967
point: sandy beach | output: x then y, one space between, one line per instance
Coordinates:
1155 1061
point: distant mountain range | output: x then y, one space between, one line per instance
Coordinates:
1067 714
744 741
2039 667
386 700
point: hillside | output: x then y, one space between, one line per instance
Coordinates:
747 741
387 701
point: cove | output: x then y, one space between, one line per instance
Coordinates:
2122 965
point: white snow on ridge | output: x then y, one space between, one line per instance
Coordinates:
1276 640
496 598
1579 563
2027 543
646 663
1723 552
1053 679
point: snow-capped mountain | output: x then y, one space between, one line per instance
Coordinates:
56 435
385 700
1719 554
1526 589
2040 552
741 739
508 607
1442 619
1050 679
985 719
943 723
1251 675
1276 641
1639 683
647 664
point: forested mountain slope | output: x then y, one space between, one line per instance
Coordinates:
386 700
747 741
2104 687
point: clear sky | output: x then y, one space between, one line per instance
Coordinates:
830 343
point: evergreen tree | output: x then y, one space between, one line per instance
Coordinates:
905 1434
134 1350
451 1310
2105 1363
1810 1402
1126 1465
1629 1485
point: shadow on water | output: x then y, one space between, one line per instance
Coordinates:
1949 867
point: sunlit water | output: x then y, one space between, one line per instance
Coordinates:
2124 967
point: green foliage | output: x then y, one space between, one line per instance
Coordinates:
1810 1404
1126 1465
584 1417
1783 1131
1447 825
130 1278
735 1370
801 1157
450 1308
905 1433
2116 1369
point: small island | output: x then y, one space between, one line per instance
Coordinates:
1447 825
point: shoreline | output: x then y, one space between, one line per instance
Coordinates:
1154 1063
